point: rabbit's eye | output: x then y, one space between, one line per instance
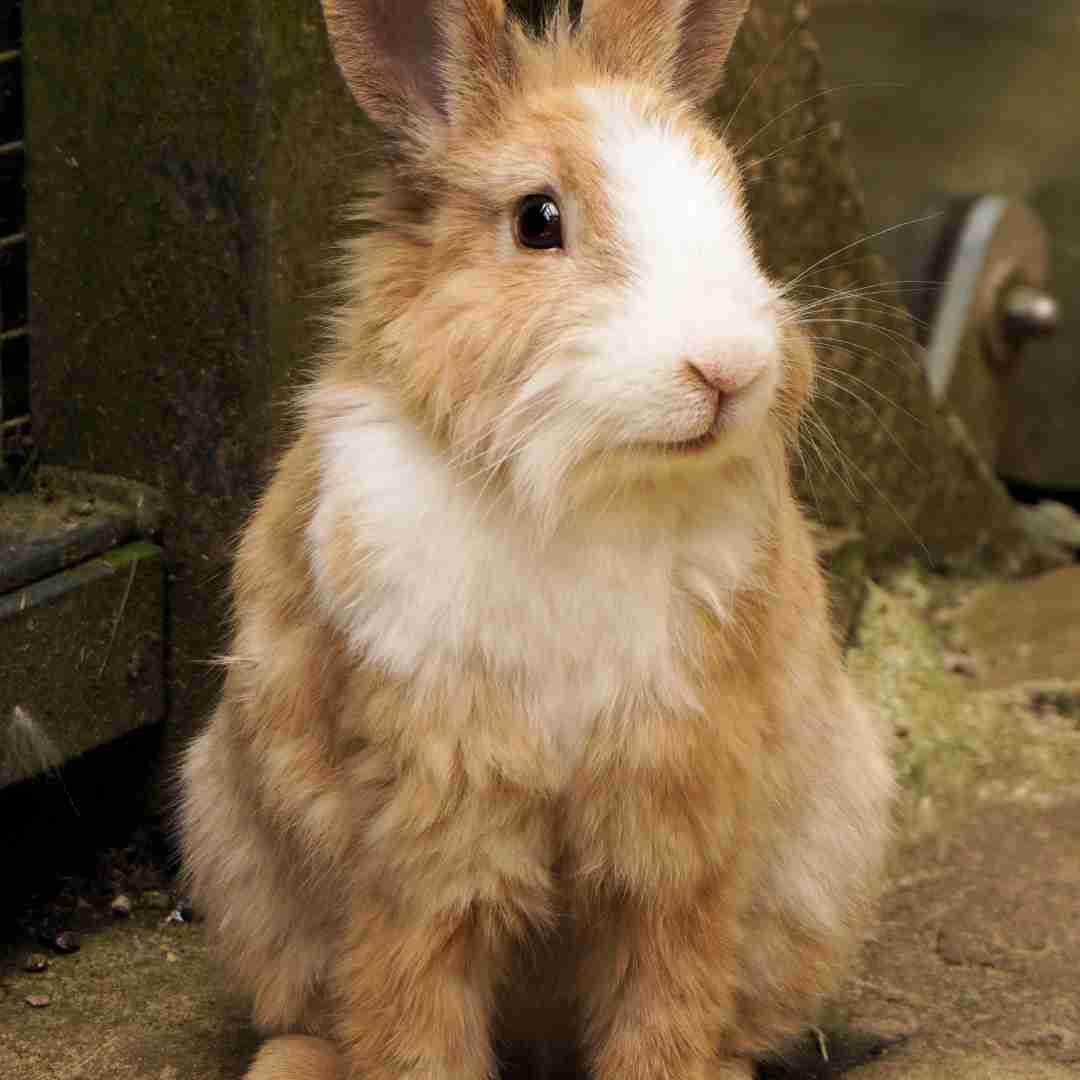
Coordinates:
538 224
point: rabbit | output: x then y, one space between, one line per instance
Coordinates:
534 730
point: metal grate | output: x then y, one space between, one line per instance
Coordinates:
14 335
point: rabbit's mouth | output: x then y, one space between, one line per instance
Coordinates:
735 413
696 445
699 444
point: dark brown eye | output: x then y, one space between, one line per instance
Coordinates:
538 224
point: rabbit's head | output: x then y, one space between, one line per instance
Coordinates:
561 290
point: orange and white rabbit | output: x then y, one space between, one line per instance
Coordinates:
534 727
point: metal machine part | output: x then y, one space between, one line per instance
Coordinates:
994 300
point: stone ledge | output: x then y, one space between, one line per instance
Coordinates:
83 660
68 518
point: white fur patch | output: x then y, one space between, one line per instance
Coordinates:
695 298
444 577
697 293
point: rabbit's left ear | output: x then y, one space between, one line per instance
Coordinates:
679 44
418 65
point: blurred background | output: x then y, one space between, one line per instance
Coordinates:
952 99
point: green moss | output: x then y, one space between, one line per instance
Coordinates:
122 558
956 745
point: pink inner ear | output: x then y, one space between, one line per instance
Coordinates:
405 35
390 52
708 32
679 43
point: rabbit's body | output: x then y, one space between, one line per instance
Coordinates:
534 725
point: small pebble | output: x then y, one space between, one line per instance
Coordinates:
961 664
121 907
66 942
38 1001
36 962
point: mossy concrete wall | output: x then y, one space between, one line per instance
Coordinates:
82 660
188 169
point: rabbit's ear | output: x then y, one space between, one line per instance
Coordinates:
679 44
412 63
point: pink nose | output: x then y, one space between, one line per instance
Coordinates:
730 372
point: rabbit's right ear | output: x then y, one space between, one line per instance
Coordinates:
682 44
412 64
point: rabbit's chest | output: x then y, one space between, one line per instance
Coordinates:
570 640
427 588
569 644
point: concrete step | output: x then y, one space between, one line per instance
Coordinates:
82 603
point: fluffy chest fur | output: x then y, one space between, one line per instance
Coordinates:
425 574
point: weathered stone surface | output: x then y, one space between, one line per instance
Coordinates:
40 537
186 181
1024 632
66 519
979 942
317 149
1050 522
81 655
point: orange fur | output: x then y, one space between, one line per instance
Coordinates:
403 863
297 1057
677 44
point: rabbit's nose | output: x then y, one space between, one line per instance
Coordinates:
731 371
